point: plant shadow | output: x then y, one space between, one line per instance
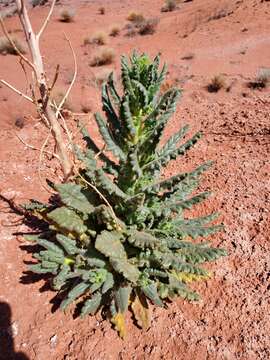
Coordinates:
35 226
6 336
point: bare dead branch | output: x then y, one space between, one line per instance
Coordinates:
46 21
24 58
97 191
25 74
42 150
55 77
66 128
101 151
16 90
73 79
43 100
35 148
45 103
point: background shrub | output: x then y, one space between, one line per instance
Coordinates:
216 84
170 5
135 17
104 56
99 38
101 10
261 80
114 30
67 15
148 27
7 48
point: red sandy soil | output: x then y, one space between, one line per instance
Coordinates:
232 320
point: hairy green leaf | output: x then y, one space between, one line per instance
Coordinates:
91 305
68 220
124 267
109 244
73 196
122 295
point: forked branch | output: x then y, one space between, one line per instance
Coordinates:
43 99
46 20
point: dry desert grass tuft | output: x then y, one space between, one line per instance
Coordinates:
7 48
104 56
261 80
9 12
148 27
216 83
98 38
102 76
67 15
140 25
101 10
170 5
135 17
114 30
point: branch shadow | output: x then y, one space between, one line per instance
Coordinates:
35 226
7 350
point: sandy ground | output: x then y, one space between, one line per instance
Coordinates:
232 320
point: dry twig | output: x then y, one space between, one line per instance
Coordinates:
43 101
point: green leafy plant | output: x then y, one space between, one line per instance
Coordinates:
118 235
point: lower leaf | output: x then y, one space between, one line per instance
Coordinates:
141 312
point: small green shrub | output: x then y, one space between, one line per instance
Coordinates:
103 57
67 15
119 235
7 48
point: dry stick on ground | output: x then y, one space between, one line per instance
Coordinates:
44 103
35 148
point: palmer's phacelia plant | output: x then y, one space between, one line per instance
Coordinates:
118 235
